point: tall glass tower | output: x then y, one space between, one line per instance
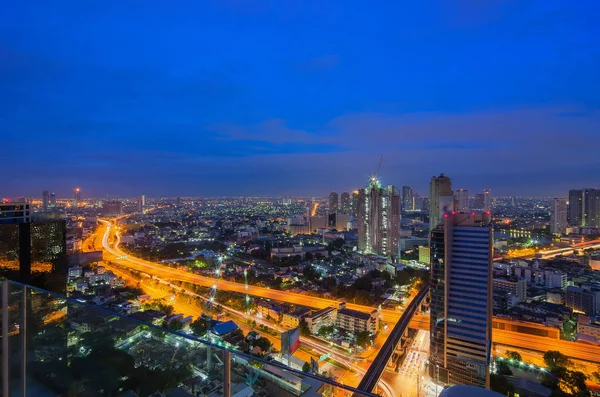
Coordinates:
461 300
379 219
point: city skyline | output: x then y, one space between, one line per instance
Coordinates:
288 109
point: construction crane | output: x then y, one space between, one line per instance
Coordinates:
378 167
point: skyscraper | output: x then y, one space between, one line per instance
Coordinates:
408 203
379 219
333 202
558 216
462 200
461 300
346 205
487 200
355 204
52 200
45 199
591 207
478 202
575 207
77 199
441 199
141 203
584 207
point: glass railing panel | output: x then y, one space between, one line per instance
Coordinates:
12 325
59 346
264 378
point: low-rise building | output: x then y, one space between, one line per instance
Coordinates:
587 329
581 300
356 321
294 318
268 310
321 318
513 286
75 272
284 252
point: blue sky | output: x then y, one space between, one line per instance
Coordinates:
235 97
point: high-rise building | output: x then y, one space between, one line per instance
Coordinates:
45 199
52 200
355 204
346 204
32 252
558 216
333 202
584 207
461 290
441 199
591 207
77 198
576 207
408 203
379 219
338 221
478 202
487 200
462 200
143 199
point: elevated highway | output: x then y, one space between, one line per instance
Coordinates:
371 378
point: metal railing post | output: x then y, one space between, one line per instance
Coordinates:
23 335
5 352
226 373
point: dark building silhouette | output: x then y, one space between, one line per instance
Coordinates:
33 252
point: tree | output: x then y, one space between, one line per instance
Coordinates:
304 330
199 327
175 325
325 330
574 381
596 376
503 368
263 343
513 355
363 339
555 359
500 384
338 243
310 273
306 367
569 329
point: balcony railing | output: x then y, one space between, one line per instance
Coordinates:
57 346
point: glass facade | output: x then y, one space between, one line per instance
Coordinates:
461 292
468 312
35 253
437 292
54 345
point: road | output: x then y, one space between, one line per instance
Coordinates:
374 372
110 245
575 350
166 272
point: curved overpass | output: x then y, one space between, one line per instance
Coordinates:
163 271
